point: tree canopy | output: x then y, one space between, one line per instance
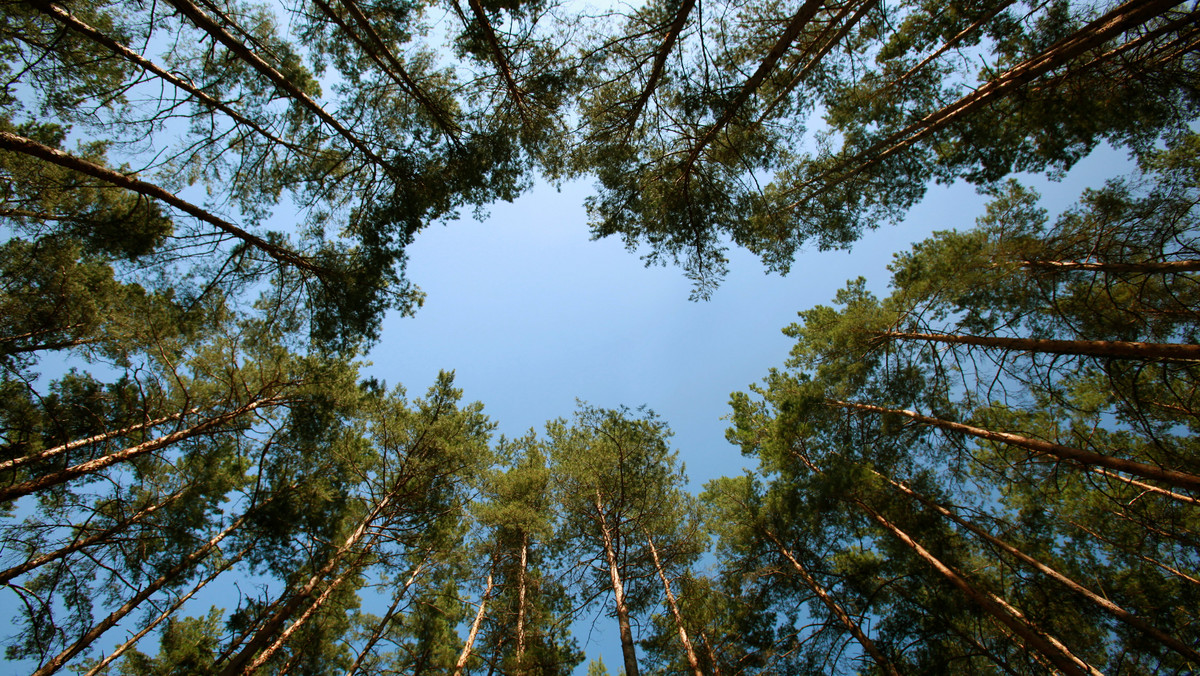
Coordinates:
993 468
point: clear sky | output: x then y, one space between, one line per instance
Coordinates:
532 315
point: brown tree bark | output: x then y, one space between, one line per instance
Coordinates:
96 438
1047 645
693 663
133 640
79 26
32 148
627 647
83 468
173 574
1076 455
1114 349
797 23
465 655
1101 602
213 29
660 62
837 610
100 536
522 571
501 59
1146 267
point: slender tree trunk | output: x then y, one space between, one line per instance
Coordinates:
798 21
133 640
213 29
1078 455
627 648
470 643
1146 267
49 347
660 61
32 148
64 475
1112 349
172 575
1012 618
38 561
1103 603
949 44
522 571
693 663
239 663
712 657
74 23
501 59
827 45
103 436
837 610
1146 487
1117 21
377 633
1174 571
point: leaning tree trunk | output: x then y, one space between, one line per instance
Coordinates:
173 574
837 610
1010 617
1094 598
377 633
1113 349
470 642
75 471
693 663
94 439
26 146
1077 455
1148 267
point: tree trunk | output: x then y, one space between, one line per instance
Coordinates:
32 148
1120 19
109 622
387 618
627 648
837 610
1148 267
64 475
133 640
501 59
38 561
1088 458
799 20
213 29
521 573
660 62
1108 606
693 663
1012 618
103 436
1112 349
240 664
74 23
1146 487
470 643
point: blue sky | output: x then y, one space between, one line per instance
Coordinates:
531 314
